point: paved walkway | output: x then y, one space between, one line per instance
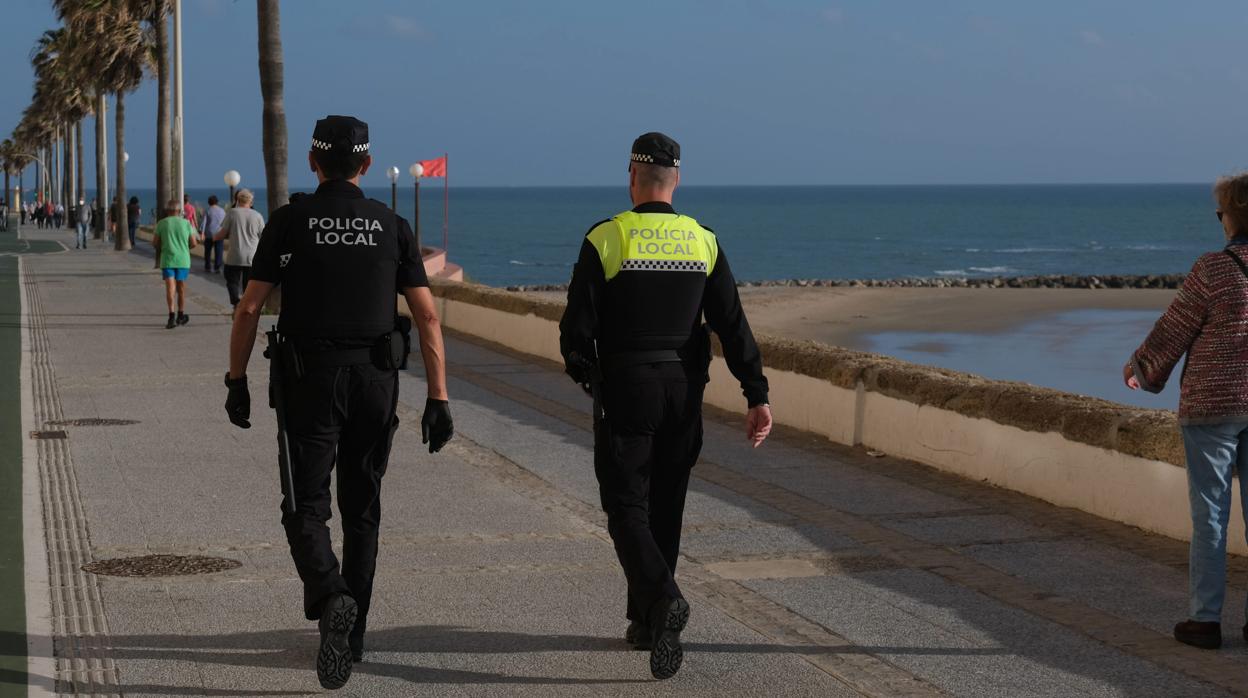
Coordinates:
813 569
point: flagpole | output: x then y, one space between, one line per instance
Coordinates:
446 202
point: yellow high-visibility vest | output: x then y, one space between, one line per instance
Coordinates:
634 241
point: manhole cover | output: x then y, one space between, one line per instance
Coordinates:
92 422
161 565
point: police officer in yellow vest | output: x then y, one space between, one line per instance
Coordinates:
632 333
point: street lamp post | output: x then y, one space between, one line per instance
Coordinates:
416 170
179 173
393 174
232 178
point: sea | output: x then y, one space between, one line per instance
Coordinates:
506 236
509 236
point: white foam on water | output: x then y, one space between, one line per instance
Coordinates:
950 272
992 270
1032 250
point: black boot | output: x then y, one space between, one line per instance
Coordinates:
183 318
172 323
637 635
667 618
334 659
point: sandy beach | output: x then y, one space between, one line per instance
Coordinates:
1074 340
849 317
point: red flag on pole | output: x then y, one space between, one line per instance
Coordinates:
435 167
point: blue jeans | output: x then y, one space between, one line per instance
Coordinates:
209 248
82 235
1214 453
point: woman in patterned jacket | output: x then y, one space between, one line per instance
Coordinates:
1208 321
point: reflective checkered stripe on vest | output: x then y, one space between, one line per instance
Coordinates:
654 242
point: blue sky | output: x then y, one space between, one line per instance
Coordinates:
863 92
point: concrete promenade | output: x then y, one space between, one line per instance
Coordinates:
812 569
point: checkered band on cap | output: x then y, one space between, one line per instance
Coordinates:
663 265
322 145
649 159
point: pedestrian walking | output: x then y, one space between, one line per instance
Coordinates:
188 211
83 225
242 227
23 209
58 216
173 240
133 212
632 334
210 225
1208 321
340 259
4 216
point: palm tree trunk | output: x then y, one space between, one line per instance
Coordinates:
268 18
121 241
56 164
101 165
67 175
78 160
164 152
67 169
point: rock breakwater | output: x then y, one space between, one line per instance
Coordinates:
1119 281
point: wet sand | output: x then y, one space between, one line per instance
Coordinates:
1074 340
850 317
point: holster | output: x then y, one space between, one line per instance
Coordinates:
403 326
285 363
391 350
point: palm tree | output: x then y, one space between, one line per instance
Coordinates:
60 94
155 13
117 55
78 160
6 163
269 23
164 153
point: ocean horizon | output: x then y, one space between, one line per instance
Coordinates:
513 235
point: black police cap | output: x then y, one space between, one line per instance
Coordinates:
654 148
340 134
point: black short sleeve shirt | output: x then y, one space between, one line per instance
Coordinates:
340 259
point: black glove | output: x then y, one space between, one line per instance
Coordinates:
578 367
238 402
436 427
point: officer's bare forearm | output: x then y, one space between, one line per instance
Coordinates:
242 339
429 327
433 353
246 320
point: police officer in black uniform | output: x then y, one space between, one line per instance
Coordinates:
632 334
340 259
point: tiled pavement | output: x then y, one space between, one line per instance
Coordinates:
813 569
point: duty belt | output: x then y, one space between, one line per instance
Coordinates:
615 362
336 357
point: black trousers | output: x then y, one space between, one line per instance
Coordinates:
236 282
340 418
644 450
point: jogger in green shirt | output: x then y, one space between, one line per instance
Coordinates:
174 238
